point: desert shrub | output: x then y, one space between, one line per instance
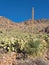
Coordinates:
26 43
34 47
46 38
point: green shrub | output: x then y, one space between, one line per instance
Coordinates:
34 47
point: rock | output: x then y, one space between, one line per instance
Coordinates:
8 58
2 50
40 62
47 29
21 56
26 62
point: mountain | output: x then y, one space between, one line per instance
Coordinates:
4 22
30 26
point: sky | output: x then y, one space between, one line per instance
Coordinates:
21 10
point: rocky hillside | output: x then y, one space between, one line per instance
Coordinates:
36 26
24 43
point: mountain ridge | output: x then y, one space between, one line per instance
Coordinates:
33 26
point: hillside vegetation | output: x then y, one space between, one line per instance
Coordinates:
30 37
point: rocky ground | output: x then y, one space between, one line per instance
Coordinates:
11 58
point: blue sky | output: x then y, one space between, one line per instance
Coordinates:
21 10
